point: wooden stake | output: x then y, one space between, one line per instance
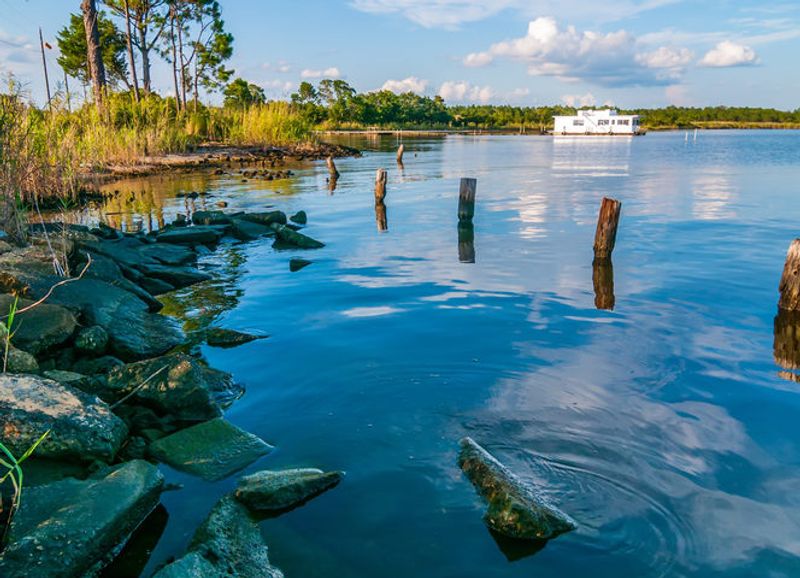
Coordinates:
786 346
606 234
401 149
603 281
332 168
380 185
466 199
790 280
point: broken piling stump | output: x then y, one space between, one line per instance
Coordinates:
400 150
790 279
380 185
606 235
332 168
466 199
380 216
515 509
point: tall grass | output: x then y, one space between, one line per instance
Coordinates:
271 123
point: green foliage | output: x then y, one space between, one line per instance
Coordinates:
72 46
7 331
14 474
243 94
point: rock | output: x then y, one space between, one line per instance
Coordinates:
98 366
180 220
299 217
156 286
92 340
248 230
174 275
186 389
297 264
296 239
5 247
72 528
40 329
19 361
190 235
275 491
212 450
105 269
81 426
70 378
228 543
133 331
266 218
515 508
210 218
220 337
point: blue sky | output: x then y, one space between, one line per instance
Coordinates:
627 52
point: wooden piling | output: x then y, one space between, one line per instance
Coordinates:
786 344
380 185
790 280
606 234
400 150
332 168
466 199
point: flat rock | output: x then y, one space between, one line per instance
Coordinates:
228 543
515 508
210 218
292 237
221 337
245 230
212 450
72 528
81 426
266 218
179 386
274 491
42 328
190 235
175 275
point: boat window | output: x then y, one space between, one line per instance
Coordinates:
626 121
577 122
602 122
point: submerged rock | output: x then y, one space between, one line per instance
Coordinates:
299 217
266 218
212 450
210 218
221 337
228 543
40 329
275 491
73 528
245 230
81 426
296 264
177 385
292 237
515 509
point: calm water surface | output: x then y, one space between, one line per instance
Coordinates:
665 426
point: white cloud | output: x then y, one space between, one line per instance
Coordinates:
332 72
410 84
728 53
463 91
281 67
579 101
612 59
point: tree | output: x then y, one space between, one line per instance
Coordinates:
306 94
243 94
72 46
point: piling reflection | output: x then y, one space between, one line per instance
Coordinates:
466 242
603 281
786 346
380 216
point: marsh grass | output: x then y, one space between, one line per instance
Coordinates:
15 476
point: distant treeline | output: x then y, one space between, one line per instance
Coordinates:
335 104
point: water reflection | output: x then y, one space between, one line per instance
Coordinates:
380 216
603 281
466 242
713 195
595 156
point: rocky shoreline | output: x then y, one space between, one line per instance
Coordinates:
94 363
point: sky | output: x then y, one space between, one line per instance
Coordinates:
626 53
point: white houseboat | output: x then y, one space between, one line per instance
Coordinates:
597 122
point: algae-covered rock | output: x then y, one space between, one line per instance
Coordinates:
210 218
93 340
73 528
81 426
515 508
221 337
212 450
292 237
191 235
245 230
266 218
299 217
297 263
228 543
18 361
275 491
177 385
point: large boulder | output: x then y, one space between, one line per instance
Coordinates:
212 450
228 543
515 508
40 329
177 385
275 491
81 426
72 528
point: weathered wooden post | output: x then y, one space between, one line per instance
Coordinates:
786 345
332 168
790 280
466 199
380 216
466 242
606 234
380 185
400 150
603 281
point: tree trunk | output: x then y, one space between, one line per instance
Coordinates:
130 50
174 59
93 55
182 68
